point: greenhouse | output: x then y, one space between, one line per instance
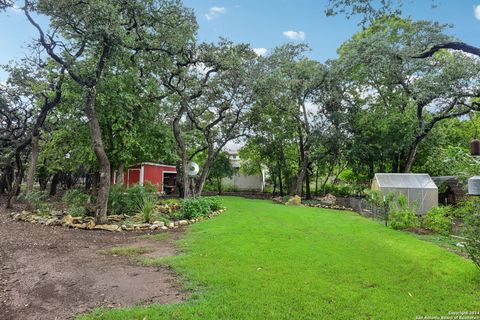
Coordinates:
419 189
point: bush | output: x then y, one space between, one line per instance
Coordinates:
126 200
400 215
466 208
76 197
437 219
146 205
78 202
39 201
197 207
294 201
379 198
77 211
472 235
340 190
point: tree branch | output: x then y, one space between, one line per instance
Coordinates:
450 45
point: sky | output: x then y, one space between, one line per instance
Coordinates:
266 24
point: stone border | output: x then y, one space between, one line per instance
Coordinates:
328 206
88 223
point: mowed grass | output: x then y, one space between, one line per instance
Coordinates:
261 260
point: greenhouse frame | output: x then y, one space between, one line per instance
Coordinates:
419 188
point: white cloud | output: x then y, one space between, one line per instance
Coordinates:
476 11
260 51
294 35
214 12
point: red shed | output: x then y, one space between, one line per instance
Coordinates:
161 175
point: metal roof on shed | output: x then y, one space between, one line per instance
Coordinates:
405 180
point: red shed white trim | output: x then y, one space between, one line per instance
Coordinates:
161 175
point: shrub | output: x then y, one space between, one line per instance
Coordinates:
78 202
215 203
437 219
77 211
467 207
196 207
122 200
76 197
312 202
294 201
342 190
400 215
117 200
146 205
39 201
472 235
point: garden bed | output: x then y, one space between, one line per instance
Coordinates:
115 222
130 209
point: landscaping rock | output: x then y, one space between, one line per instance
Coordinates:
329 199
141 227
78 225
171 225
278 199
115 218
67 220
108 227
182 222
90 225
159 223
127 228
56 213
53 222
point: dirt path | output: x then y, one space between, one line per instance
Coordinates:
55 273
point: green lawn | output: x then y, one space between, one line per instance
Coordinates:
261 260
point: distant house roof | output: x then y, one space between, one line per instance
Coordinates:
405 180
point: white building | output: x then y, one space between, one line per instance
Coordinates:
240 181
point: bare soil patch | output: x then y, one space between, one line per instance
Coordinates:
56 273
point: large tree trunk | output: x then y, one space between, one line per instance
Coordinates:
308 193
43 182
119 178
302 172
412 154
395 164
212 155
286 173
54 184
219 185
18 179
6 179
185 178
102 158
33 161
280 182
182 167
